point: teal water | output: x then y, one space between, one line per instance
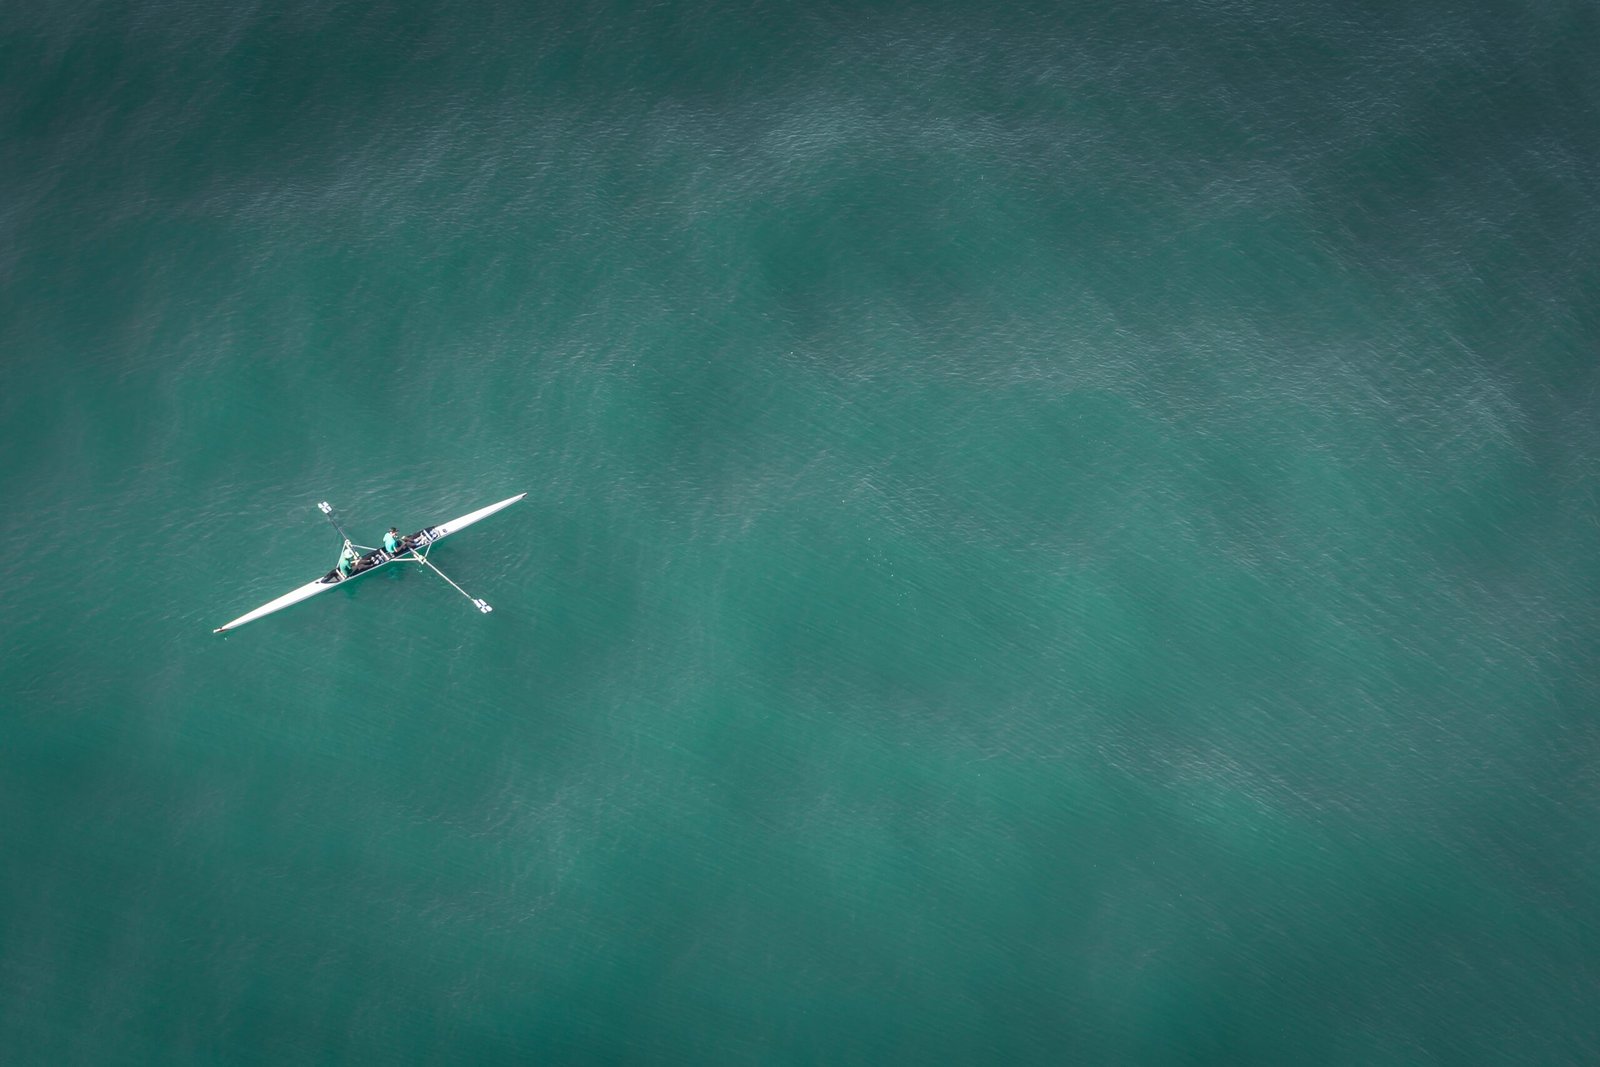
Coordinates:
1055 534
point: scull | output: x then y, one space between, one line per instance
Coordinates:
413 549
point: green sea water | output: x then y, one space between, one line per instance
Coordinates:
1056 534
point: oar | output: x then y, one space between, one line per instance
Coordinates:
479 604
327 509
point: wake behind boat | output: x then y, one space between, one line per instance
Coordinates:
411 549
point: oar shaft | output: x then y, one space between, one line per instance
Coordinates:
479 604
327 509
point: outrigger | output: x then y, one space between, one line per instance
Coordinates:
412 549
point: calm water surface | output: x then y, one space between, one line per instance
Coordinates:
1060 534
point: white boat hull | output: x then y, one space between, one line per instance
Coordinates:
421 539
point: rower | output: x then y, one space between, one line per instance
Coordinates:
391 541
347 559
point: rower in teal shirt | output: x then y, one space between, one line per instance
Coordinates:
346 559
391 541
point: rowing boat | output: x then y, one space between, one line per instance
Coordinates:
412 549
